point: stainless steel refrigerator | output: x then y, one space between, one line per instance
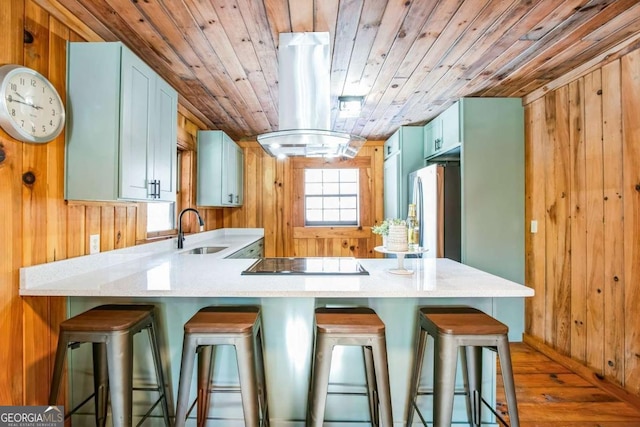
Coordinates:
435 190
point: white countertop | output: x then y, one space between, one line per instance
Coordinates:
160 270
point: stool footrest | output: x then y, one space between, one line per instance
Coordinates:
145 416
78 406
430 393
494 412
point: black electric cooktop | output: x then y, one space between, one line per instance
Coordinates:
325 265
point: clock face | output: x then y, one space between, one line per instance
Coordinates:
31 108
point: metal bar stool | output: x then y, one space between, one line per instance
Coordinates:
241 327
355 326
470 330
111 329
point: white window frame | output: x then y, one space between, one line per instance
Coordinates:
325 196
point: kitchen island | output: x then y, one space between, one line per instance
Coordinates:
180 283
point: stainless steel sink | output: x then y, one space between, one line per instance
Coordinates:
206 250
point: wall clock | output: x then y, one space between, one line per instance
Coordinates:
30 108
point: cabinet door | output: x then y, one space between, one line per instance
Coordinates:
431 137
392 186
239 198
137 97
451 127
164 142
392 145
93 124
228 173
209 187
232 173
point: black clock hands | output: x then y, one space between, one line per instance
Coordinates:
11 99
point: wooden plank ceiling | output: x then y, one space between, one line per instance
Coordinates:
409 58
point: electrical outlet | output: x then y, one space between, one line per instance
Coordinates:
94 243
534 226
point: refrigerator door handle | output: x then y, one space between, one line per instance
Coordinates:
418 200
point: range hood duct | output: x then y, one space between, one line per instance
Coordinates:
305 102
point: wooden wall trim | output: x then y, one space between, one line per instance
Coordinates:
331 232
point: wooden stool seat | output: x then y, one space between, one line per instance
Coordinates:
357 320
351 326
112 317
235 320
463 321
241 327
468 329
110 328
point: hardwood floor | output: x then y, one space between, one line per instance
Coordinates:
551 395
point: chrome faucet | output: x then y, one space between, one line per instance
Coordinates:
180 233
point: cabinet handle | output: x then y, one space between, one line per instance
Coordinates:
154 189
237 199
438 143
230 198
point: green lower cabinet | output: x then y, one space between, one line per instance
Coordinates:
288 325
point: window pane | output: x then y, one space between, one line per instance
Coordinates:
313 175
332 215
348 215
332 202
348 175
348 203
314 203
331 188
313 189
160 216
348 188
331 175
314 215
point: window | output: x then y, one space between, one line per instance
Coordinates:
161 216
331 197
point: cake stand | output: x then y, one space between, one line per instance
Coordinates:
400 256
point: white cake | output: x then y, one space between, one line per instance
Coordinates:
397 238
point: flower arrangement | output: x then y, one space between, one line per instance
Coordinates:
383 227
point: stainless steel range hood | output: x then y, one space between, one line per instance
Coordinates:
305 102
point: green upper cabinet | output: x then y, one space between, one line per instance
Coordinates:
432 136
403 154
121 127
442 134
220 170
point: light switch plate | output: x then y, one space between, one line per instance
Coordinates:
534 226
94 244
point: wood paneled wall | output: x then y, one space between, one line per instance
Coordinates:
583 188
39 226
270 200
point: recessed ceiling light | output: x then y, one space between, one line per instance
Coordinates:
350 104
